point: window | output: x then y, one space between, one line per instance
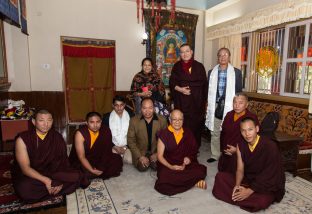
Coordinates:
293 44
270 38
245 58
297 60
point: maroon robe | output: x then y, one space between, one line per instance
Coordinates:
231 135
192 106
263 173
49 158
99 155
171 182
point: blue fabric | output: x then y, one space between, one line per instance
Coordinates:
221 83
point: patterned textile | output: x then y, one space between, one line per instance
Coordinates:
221 82
164 42
133 193
94 199
293 120
8 200
151 81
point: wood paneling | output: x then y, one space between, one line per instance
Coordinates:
53 101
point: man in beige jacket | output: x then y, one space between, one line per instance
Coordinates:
141 136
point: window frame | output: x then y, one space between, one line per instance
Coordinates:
304 58
248 60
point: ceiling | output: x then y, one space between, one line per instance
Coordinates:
198 4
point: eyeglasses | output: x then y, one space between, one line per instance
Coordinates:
223 55
176 120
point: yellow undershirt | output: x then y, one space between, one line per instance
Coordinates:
177 136
237 116
93 136
252 148
41 136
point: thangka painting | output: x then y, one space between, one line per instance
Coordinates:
167 51
165 39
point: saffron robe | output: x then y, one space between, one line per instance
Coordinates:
171 182
100 155
263 173
192 106
49 158
231 135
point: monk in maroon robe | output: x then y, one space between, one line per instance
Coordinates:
41 169
94 152
260 178
189 89
231 135
178 169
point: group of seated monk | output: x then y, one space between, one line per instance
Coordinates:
250 170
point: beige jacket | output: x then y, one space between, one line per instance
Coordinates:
137 136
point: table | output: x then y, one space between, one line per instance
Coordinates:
289 148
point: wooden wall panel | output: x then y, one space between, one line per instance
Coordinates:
53 101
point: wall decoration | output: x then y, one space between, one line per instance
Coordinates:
167 51
165 39
267 61
23 16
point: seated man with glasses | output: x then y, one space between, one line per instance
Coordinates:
178 169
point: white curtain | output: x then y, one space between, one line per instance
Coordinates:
234 44
285 11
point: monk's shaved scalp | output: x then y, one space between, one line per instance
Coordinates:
175 112
41 111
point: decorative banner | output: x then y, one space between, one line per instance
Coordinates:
164 40
267 61
14 15
5 8
23 16
168 51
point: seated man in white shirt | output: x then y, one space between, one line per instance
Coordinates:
118 122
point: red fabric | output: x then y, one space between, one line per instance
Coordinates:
9 201
305 145
186 66
49 158
88 51
263 168
171 182
223 188
231 135
100 155
192 106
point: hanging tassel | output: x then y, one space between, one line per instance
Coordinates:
153 5
159 15
172 13
138 10
142 10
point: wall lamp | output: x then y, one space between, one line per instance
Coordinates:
144 38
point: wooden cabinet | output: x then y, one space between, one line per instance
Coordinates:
289 148
10 129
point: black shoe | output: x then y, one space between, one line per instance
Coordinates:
210 160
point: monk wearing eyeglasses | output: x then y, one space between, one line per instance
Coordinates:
178 169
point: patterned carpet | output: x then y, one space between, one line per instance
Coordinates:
133 193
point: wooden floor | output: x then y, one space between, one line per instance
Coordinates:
58 210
